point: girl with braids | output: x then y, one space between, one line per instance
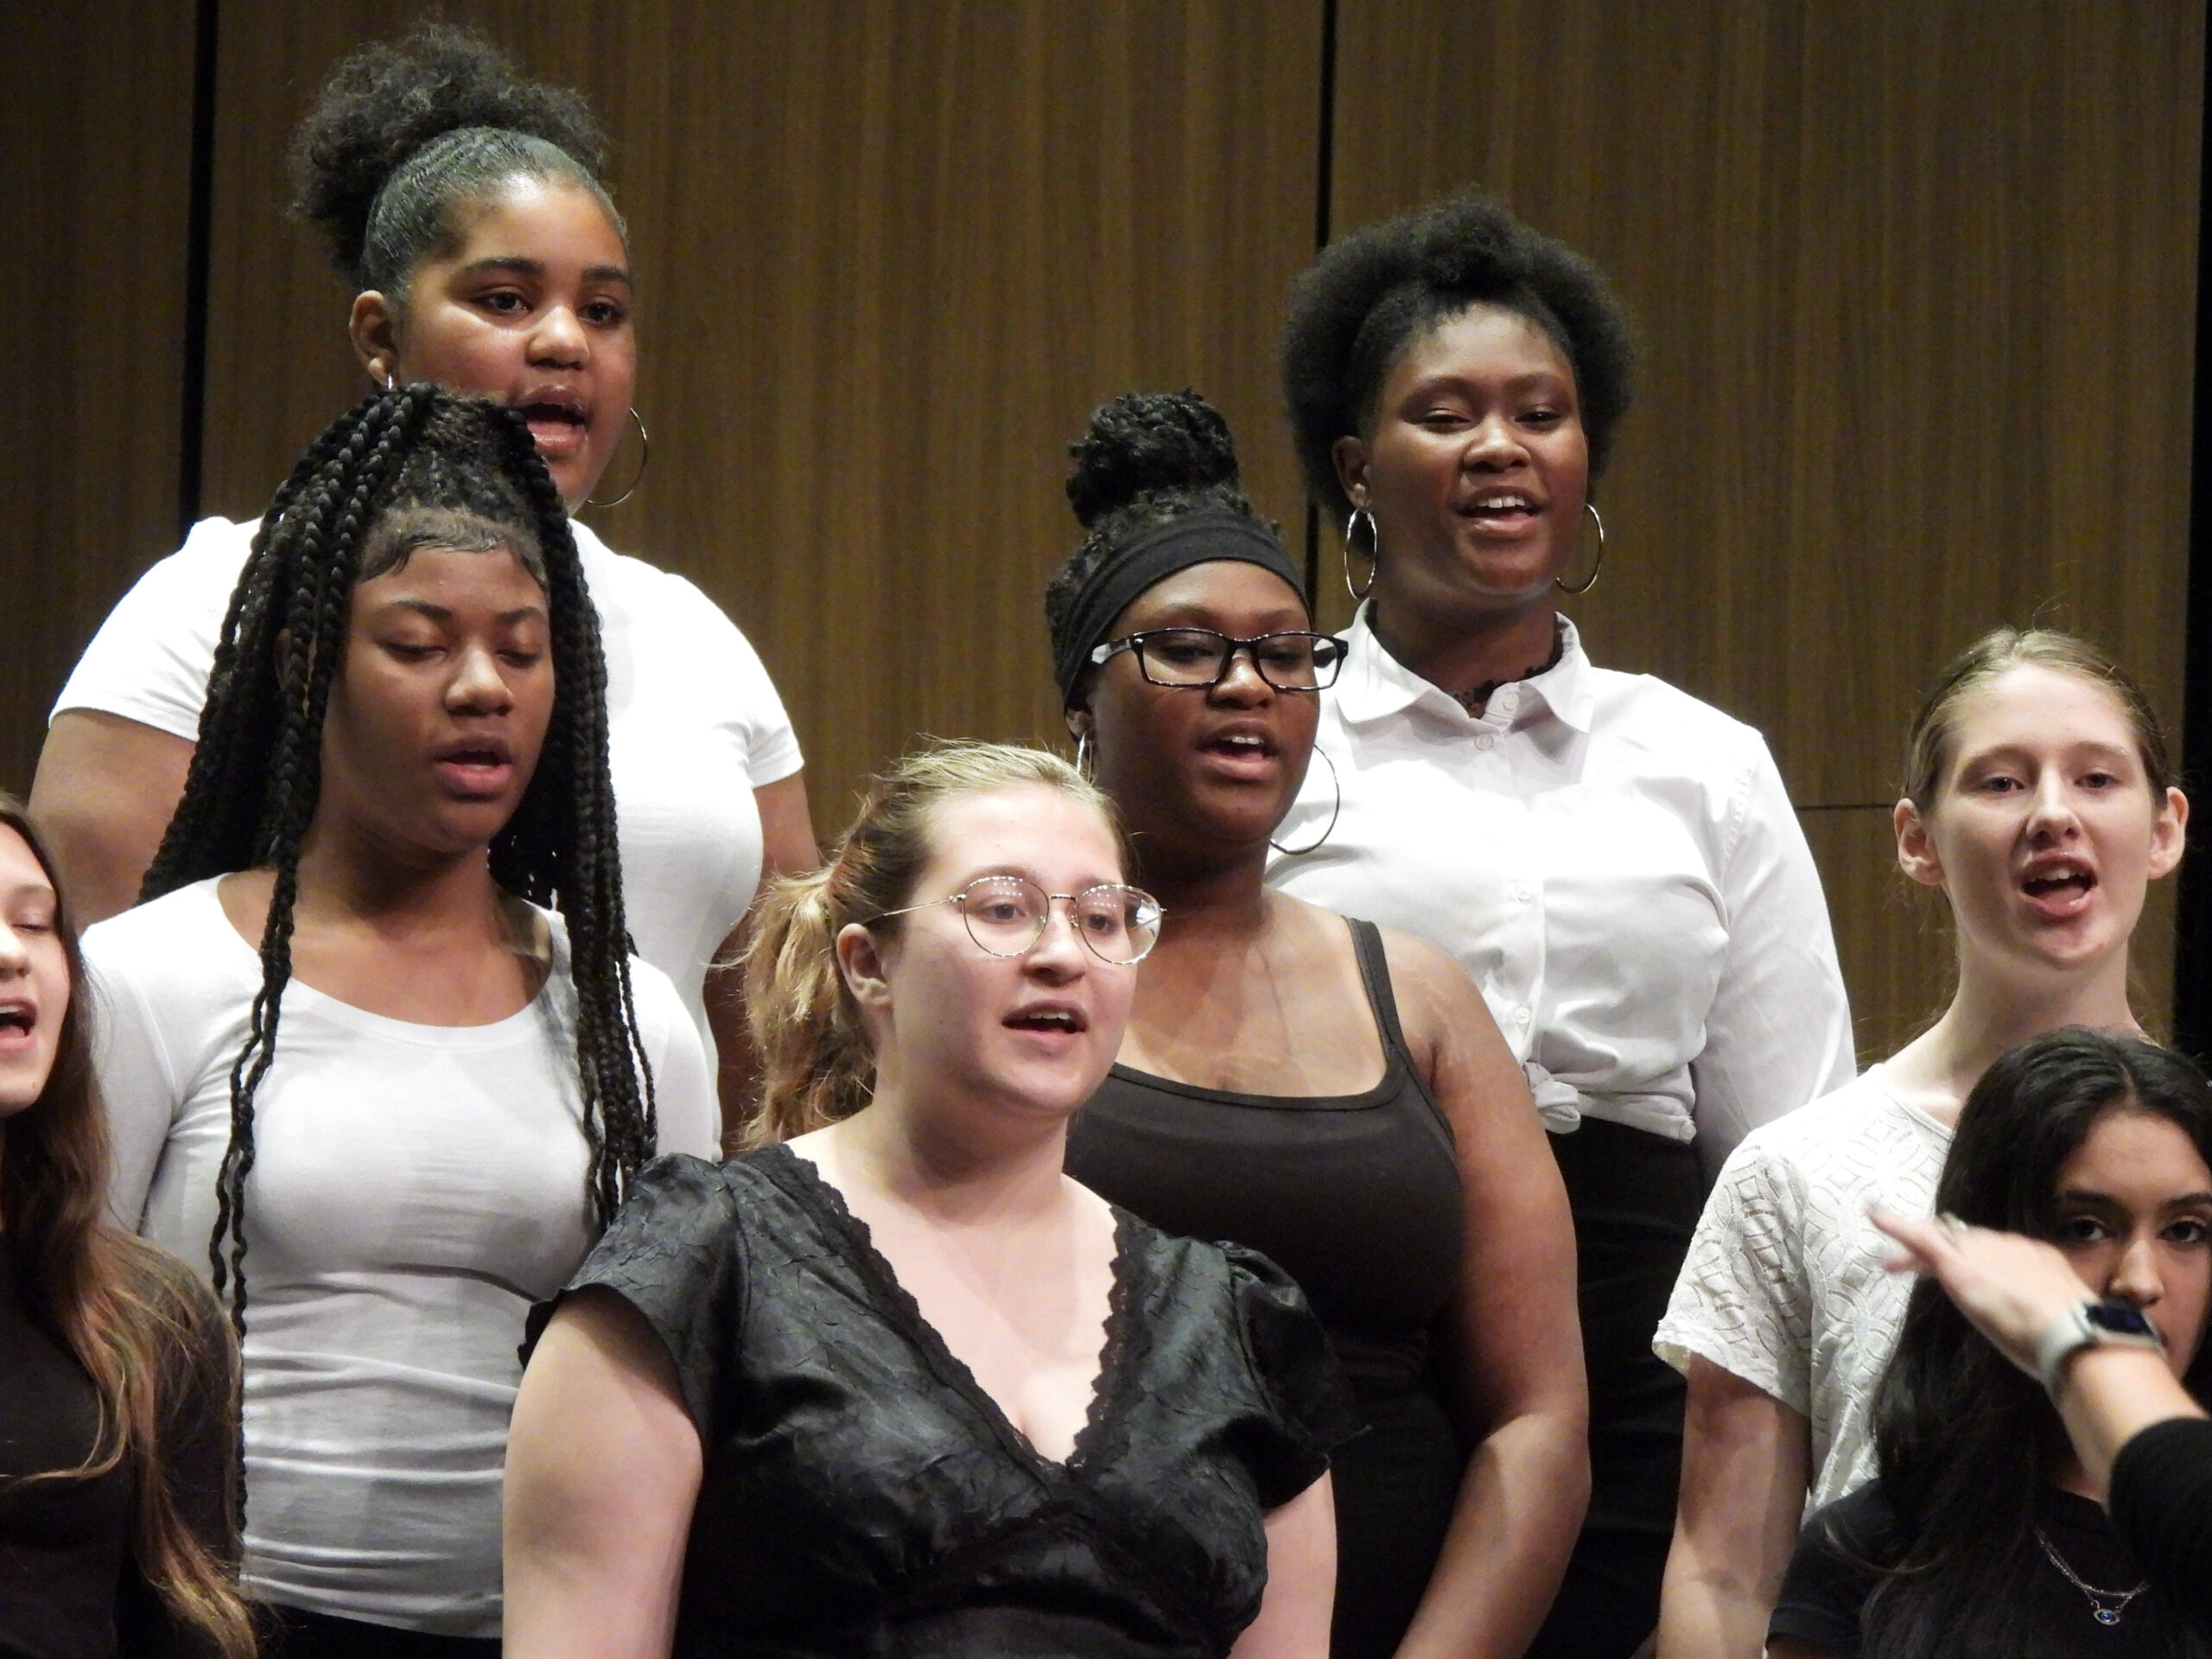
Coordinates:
468 207
1983 1537
118 1375
1333 1095
1615 863
891 1383
353 1060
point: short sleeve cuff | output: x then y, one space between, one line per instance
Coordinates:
1314 1409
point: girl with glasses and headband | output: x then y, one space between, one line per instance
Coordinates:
891 1381
1333 1095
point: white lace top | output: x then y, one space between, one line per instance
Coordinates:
1784 1284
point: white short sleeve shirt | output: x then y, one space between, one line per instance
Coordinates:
694 727
1616 865
1784 1284
415 1189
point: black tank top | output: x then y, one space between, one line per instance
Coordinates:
1356 1196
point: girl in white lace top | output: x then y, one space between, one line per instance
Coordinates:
2038 799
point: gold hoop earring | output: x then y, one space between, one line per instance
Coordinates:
644 457
1374 552
1559 582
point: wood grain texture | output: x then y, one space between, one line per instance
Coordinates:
1917 290
892 253
96 125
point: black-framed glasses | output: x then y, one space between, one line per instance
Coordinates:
1007 914
1201 656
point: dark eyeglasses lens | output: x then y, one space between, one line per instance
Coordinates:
1183 656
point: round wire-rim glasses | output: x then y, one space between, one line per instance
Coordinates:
1007 914
1288 661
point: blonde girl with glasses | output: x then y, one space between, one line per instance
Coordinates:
891 1381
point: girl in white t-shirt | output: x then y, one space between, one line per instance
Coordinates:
465 205
375 1047
2038 799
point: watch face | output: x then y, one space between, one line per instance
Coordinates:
2121 1318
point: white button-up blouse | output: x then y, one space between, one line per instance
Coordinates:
1615 864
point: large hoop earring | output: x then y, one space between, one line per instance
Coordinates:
1559 582
1374 552
1337 788
1083 754
644 457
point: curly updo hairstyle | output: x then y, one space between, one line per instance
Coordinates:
1367 297
403 139
413 467
1148 458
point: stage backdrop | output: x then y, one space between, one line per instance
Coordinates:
1916 286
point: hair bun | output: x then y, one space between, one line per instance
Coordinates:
1145 443
386 100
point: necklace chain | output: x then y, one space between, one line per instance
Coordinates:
2103 1614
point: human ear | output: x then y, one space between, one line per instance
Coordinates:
1916 854
1351 456
373 329
2169 833
1081 723
859 959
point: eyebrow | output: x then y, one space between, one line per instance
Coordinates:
521 266
441 613
1016 870
2105 1200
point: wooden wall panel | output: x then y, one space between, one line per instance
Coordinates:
892 251
1918 287
96 125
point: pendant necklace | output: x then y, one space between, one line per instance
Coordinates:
2119 1599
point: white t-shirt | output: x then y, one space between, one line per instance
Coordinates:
1784 1284
415 1189
1616 867
694 727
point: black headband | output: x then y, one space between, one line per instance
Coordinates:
1198 537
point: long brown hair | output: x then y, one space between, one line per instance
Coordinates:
816 1065
146 1333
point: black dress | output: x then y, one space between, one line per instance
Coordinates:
1840 1554
862 1495
70 1583
2161 1495
1358 1198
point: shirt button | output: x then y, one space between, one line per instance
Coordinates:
1523 893
1520 1016
1485 741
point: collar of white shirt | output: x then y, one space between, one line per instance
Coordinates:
1376 685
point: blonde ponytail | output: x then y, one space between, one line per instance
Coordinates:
816 1065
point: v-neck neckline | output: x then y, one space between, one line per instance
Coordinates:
897 1304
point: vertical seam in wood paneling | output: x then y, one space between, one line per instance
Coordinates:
2192 1006
199 236
1324 165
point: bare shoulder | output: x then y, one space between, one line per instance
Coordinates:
1434 994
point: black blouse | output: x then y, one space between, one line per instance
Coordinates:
71 1586
863 1494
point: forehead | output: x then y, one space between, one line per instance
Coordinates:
2138 1153
554 222
1483 342
2030 706
1032 829
19 866
1248 597
455 579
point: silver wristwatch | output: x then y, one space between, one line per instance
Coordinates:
2121 1324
